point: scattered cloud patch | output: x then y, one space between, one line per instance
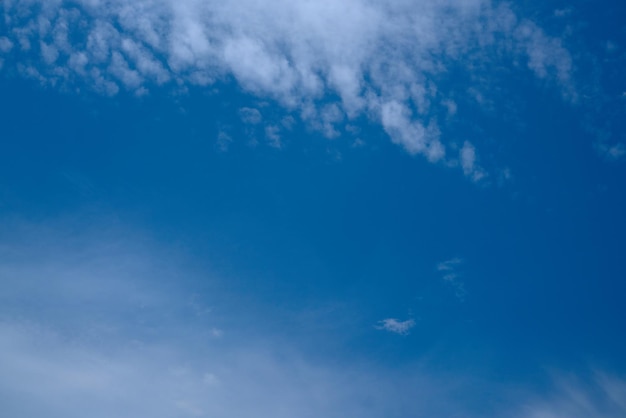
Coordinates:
325 62
223 142
396 326
272 133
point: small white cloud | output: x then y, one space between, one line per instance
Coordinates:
5 44
288 122
358 143
272 133
330 115
395 326
562 12
468 158
397 122
471 169
611 152
250 116
450 106
451 276
223 141
49 53
120 69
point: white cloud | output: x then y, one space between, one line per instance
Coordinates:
395 326
272 133
250 116
467 156
385 60
223 141
611 152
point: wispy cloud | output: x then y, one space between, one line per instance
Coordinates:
467 156
449 265
328 62
93 324
599 396
451 275
396 326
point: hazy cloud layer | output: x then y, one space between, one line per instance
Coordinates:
327 61
100 323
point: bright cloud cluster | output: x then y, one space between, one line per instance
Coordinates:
328 61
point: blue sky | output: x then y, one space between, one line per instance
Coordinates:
326 209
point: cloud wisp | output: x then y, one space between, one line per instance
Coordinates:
395 326
450 274
328 62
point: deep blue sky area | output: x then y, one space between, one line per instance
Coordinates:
403 209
